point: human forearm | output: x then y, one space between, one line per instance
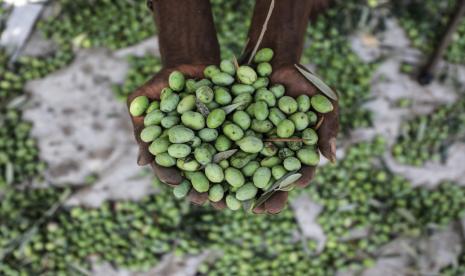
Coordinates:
286 28
186 32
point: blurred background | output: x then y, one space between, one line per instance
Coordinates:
74 202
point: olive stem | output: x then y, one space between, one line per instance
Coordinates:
262 32
285 29
320 122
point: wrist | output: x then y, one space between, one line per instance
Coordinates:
171 60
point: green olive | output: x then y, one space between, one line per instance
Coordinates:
262 177
233 131
287 104
214 173
200 182
150 133
246 192
308 156
321 104
138 106
228 67
216 193
263 55
216 118
181 190
204 94
234 177
193 120
179 150
176 81
250 144
286 129
246 74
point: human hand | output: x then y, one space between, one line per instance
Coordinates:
327 128
152 90
281 26
295 84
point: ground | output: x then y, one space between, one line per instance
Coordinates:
87 132
85 136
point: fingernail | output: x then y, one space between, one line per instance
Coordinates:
332 148
141 159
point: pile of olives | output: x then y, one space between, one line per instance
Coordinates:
137 235
429 137
99 23
19 153
232 134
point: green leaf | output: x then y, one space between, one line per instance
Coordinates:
223 155
17 102
236 63
230 108
248 205
289 181
9 173
288 188
275 187
407 215
316 80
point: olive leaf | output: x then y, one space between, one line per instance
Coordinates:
421 130
248 205
80 269
202 108
17 102
347 208
275 187
407 215
230 108
375 203
9 173
236 63
288 183
288 188
223 155
316 80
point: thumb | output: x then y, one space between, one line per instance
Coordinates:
327 133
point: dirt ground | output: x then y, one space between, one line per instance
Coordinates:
84 131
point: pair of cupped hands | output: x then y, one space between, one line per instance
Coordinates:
295 85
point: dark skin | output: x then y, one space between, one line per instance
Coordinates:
188 43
